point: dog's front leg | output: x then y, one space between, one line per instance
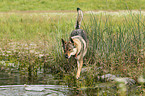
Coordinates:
79 65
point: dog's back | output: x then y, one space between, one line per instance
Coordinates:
80 35
78 31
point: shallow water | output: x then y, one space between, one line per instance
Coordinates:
18 83
50 90
13 83
33 90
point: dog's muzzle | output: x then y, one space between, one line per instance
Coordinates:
66 56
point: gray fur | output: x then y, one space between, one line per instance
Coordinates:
79 18
79 32
77 45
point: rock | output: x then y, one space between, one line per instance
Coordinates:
107 77
86 69
110 77
34 88
141 80
125 80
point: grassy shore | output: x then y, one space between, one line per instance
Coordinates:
116 42
23 5
32 42
30 39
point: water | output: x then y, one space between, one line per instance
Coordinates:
49 90
14 83
33 90
18 83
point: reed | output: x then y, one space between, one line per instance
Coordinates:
32 41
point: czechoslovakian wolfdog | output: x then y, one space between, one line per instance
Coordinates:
78 43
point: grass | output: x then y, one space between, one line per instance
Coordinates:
118 45
32 41
25 5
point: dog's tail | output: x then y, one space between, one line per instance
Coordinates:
79 18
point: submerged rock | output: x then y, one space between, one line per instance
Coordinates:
107 77
86 69
110 77
126 80
34 88
141 79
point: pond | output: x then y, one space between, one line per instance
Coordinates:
12 83
50 90
44 90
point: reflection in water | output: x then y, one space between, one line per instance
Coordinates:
48 90
15 77
13 82
32 90
7 77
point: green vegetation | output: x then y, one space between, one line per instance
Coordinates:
23 5
32 41
116 42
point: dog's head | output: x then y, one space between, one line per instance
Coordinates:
69 48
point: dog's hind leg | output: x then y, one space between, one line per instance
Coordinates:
79 65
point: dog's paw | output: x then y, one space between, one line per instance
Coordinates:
77 76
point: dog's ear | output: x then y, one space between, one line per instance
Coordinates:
71 40
63 43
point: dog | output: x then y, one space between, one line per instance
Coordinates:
77 45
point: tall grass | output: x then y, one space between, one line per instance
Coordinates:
32 41
117 44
